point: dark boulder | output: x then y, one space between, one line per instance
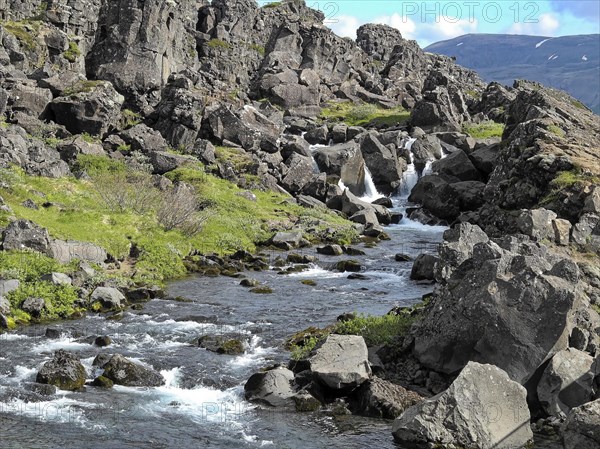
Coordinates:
64 371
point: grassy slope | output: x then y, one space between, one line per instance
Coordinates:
233 222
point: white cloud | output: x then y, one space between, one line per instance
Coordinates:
429 32
547 25
345 26
425 33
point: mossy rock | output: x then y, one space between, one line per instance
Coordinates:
102 382
231 347
306 402
351 265
262 290
64 371
308 282
249 282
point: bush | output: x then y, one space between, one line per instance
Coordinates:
72 53
179 209
128 190
60 299
376 330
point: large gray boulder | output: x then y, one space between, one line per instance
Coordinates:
457 165
64 251
109 298
581 430
64 371
423 268
300 173
383 163
273 387
536 223
437 196
567 381
22 235
92 107
341 362
512 304
346 161
123 371
458 247
482 409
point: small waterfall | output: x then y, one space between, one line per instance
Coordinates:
410 175
312 149
371 193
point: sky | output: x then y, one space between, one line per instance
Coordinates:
428 21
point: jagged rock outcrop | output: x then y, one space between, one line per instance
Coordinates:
518 305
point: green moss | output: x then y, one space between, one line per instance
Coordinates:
262 290
596 308
484 130
82 86
364 114
556 130
272 5
218 44
73 52
238 158
231 347
308 282
302 351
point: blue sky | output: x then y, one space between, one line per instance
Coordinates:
429 21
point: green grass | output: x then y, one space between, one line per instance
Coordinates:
218 43
232 222
272 5
130 118
258 48
72 53
559 132
566 180
28 266
484 130
376 330
365 114
26 32
238 158
82 86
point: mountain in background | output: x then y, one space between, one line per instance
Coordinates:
570 63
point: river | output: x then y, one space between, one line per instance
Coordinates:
202 403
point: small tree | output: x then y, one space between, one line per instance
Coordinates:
180 209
